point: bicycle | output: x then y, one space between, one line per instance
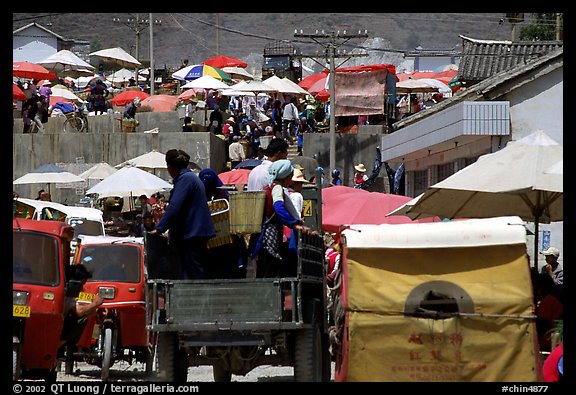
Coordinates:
76 121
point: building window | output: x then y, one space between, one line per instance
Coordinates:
420 181
444 171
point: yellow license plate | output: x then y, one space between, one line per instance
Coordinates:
85 296
20 311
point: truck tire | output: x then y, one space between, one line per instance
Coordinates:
308 355
172 362
221 374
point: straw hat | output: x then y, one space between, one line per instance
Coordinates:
231 119
299 176
360 167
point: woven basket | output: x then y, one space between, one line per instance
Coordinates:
246 211
220 212
128 126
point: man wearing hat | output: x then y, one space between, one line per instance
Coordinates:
553 268
236 151
360 176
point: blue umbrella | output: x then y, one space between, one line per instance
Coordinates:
248 164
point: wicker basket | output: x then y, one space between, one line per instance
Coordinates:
220 212
246 211
128 126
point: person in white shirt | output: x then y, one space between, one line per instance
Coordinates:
236 152
258 177
289 120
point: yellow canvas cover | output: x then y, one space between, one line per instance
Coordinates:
490 337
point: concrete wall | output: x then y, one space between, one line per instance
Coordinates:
107 143
351 149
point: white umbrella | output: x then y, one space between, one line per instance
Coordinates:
281 86
256 86
66 94
238 72
205 82
442 87
289 82
556 168
47 174
129 181
512 181
64 61
123 75
117 56
151 160
406 207
415 86
98 172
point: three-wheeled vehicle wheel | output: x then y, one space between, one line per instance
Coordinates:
308 355
172 361
106 353
221 374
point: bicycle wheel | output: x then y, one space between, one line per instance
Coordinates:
74 124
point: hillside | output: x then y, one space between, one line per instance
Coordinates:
244 35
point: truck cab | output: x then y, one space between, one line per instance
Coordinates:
282 60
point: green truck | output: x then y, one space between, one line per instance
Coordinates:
236 325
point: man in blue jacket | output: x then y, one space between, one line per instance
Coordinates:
187 216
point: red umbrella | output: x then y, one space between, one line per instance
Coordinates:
233 177
161 103
308 81
348 206
126 97
323 95
31 70
318 86
17 93
225 61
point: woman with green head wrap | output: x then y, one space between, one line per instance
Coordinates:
273 257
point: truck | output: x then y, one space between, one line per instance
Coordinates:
282 59
238 324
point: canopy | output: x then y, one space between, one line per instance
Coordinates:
415 86
512 181
129 181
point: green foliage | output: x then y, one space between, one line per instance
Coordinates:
543 28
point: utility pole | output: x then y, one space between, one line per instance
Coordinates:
217 34
138 25
330 41
558 19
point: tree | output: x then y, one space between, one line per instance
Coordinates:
543 28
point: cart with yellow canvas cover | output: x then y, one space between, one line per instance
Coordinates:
444 301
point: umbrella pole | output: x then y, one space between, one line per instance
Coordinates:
536 220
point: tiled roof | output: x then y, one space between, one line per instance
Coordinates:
482 59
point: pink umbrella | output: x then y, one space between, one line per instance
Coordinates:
233 177
318 86
348 206
160 103
126 97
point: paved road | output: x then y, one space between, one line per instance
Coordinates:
122 371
